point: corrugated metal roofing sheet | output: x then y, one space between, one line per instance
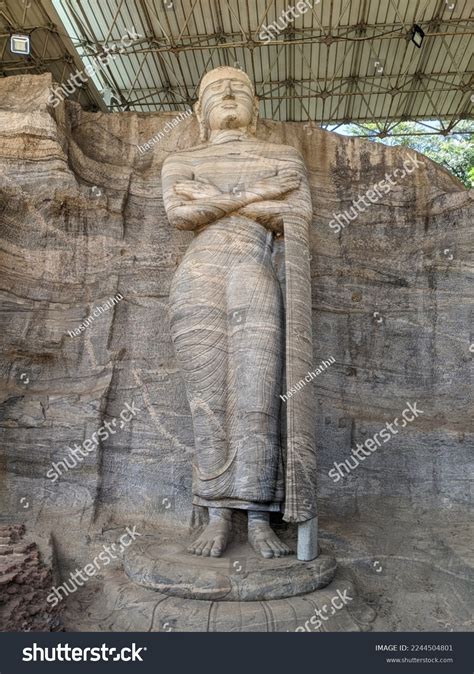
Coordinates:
338 61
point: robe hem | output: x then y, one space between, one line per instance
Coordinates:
237 504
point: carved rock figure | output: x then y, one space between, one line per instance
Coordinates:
227 309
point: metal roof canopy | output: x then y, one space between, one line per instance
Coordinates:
339 62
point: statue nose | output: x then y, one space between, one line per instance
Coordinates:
228 93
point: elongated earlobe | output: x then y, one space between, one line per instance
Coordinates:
253 123
202 127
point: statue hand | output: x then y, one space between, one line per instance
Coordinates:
270 214
285 181
195 189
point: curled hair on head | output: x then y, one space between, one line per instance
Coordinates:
203 128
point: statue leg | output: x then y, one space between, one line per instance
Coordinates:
256 363
262 538
215 537
255 343
198 328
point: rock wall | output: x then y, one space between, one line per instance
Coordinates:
25 583
82 221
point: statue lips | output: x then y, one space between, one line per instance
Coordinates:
228 105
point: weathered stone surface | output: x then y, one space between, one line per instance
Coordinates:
25 583
120 605
82 219
412 571
414 567
163 564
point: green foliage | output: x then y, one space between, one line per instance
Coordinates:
455 152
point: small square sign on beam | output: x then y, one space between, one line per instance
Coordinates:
20 44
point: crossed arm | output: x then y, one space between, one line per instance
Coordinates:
191 204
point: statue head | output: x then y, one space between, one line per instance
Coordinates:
226 101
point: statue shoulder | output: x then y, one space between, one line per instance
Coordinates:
182 157
284 151
186 156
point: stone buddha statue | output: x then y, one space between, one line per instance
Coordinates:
240 336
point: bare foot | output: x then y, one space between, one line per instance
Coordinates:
215 537
263 539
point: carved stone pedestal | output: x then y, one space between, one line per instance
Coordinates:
165 566
237 593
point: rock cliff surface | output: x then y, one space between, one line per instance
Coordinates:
82 221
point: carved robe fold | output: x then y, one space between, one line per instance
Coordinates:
232 337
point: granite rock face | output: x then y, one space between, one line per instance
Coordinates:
82 220
25 583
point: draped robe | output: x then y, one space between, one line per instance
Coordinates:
232 335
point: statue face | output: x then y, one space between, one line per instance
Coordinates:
227 103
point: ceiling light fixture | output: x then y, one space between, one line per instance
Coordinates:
20 44
417 35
